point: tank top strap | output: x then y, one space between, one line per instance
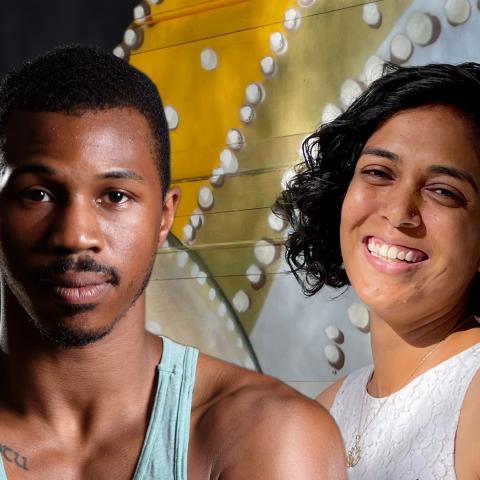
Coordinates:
346 405
165 450
458 378
3 474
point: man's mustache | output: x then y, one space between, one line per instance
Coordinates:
82 264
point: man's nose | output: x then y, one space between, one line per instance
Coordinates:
75 228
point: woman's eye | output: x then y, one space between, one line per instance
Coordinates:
443 192
116 197
375 173
36 195
447 194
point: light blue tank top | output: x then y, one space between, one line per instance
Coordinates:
164 451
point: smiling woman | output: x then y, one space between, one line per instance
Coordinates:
410 196
388 201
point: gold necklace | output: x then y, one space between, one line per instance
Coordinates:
354 454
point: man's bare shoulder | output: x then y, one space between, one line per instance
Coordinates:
257 427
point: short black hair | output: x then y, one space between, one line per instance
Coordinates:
313 198
77 78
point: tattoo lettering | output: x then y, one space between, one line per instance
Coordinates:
12 456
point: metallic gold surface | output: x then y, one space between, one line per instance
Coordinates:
330 45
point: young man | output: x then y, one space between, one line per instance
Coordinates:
86 392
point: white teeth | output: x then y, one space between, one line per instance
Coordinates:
383 250
373 247
392 253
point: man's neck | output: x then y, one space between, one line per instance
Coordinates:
72 388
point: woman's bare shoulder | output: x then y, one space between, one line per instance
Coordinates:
327 396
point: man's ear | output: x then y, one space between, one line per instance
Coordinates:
169 207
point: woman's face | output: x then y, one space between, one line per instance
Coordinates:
410 224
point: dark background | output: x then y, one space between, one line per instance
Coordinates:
31 27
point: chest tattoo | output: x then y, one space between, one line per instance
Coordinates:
12 456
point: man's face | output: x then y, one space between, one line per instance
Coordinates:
81 215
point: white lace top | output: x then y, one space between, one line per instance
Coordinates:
413 435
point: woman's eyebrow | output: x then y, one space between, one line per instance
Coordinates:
433 169
454 172
380 152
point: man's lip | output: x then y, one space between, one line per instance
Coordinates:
79 295
392 242
76 279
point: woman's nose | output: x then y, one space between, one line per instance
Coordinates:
401 208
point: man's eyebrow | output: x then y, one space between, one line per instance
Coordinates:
41 169
454 172
122 174
380 152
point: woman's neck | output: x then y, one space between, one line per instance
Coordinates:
401 354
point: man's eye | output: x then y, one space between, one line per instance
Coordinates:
116 197
36 195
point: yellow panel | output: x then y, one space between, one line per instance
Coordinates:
331 45
193 20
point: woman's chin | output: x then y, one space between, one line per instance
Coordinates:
387 300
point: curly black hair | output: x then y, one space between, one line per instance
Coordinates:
76 78
313 198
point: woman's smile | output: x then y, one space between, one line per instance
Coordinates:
391 257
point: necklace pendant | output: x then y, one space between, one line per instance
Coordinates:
354 454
